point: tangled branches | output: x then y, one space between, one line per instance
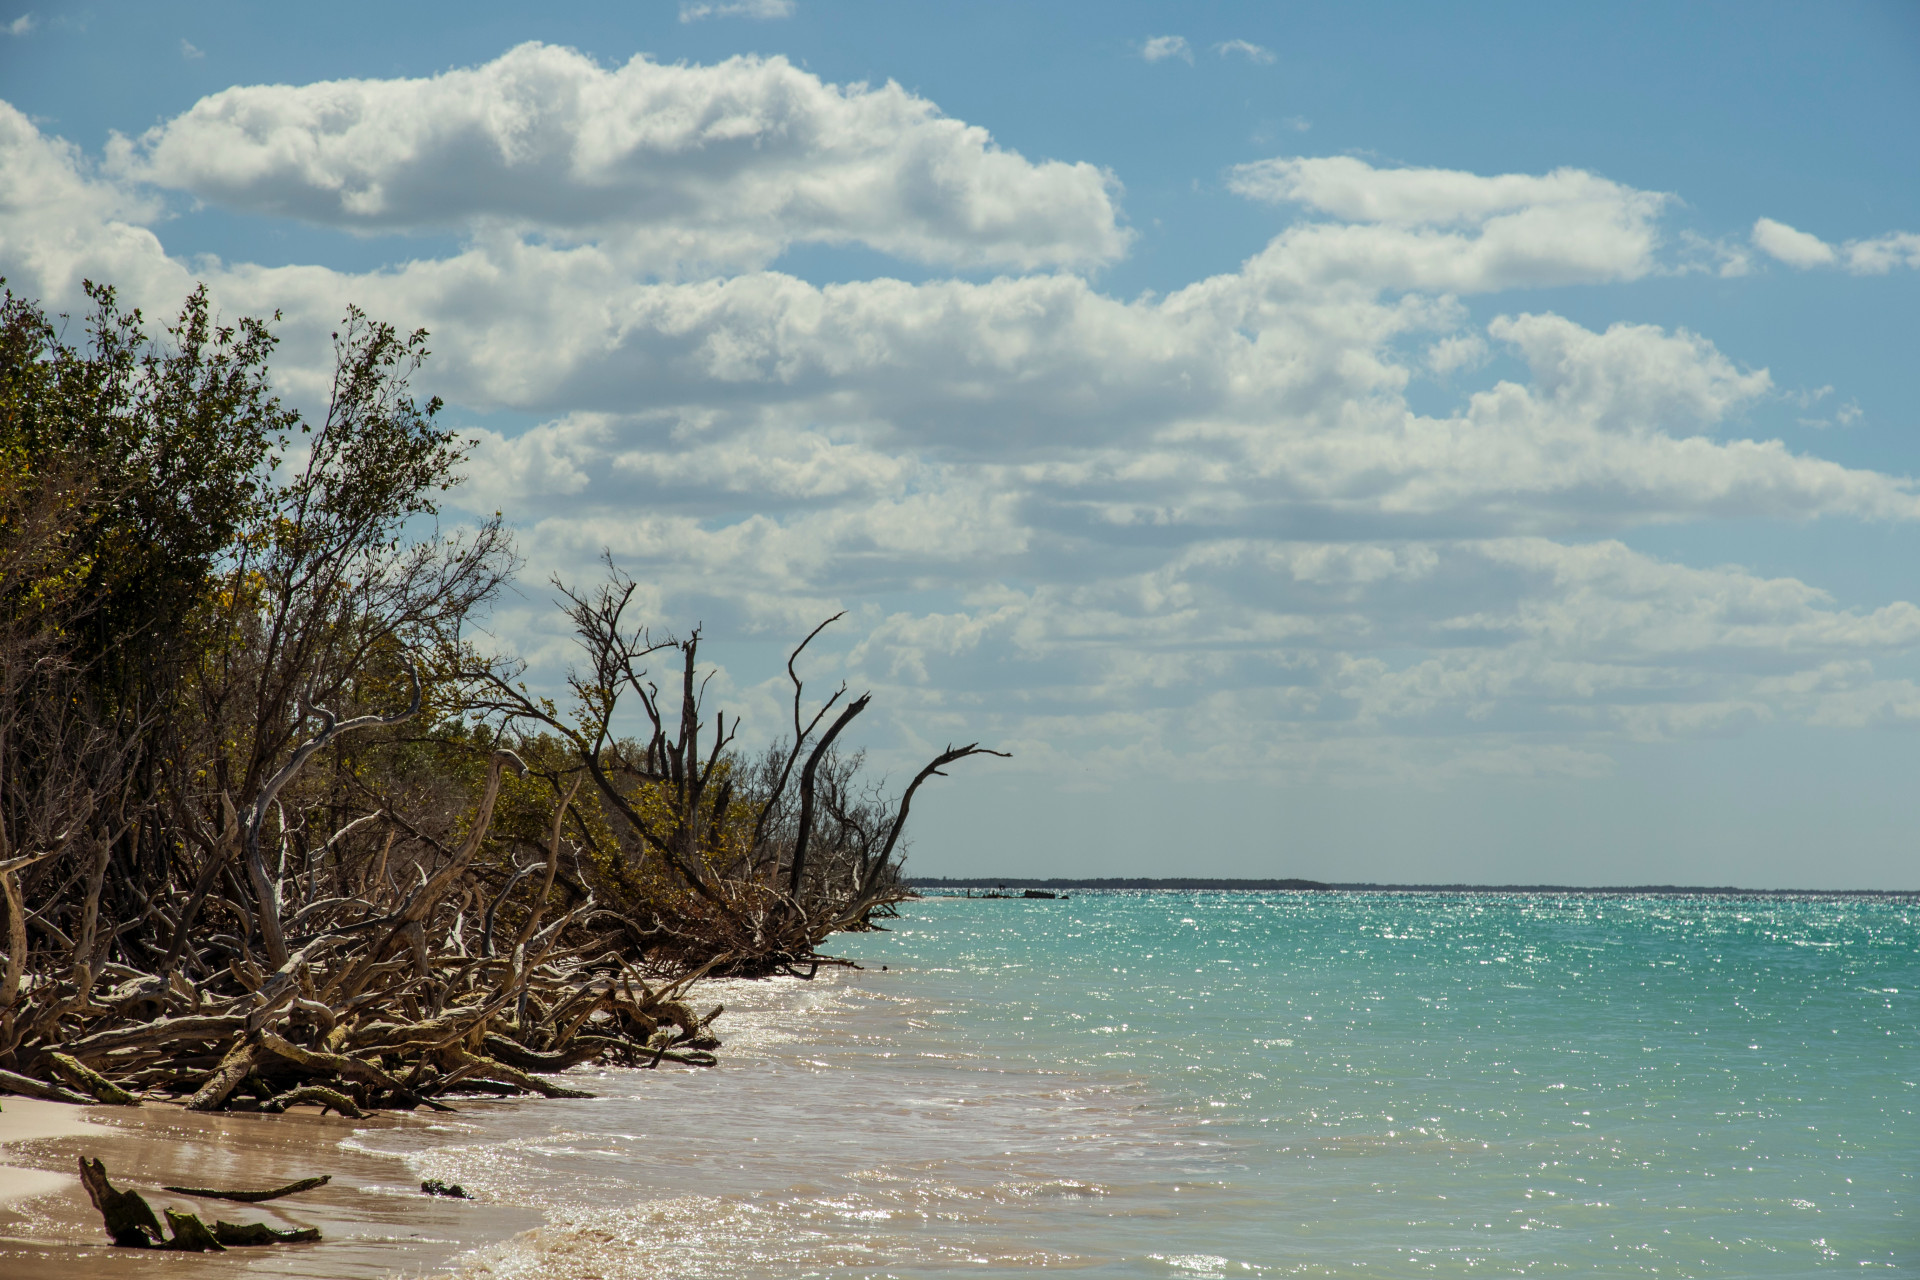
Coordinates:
262 838
705 856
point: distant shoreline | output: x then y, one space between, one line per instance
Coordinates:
1189 883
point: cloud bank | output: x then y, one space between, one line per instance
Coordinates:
1204 531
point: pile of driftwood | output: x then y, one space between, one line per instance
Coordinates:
362 1013
400 1040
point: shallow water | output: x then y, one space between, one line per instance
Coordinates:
1222 1084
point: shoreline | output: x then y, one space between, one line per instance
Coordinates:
374 1220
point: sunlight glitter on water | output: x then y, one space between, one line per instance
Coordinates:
1217 1084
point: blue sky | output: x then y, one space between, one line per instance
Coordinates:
1360 441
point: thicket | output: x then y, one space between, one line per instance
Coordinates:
276 827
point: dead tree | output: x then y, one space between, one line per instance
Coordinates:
713 857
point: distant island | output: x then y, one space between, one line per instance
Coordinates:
1317 886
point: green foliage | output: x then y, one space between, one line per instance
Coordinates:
188 568
161 457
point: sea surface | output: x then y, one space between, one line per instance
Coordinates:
1237 1085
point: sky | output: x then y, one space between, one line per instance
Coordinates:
1368 442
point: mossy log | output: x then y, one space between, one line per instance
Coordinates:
248 1234
28 1087
81 1076
190 1235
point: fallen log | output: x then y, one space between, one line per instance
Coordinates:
687 1057
513 1053
340 1064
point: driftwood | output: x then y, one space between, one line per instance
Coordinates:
28 1087
255 1197
327 1099
81 1076
363 1013
244 1235
190 1235
129 1219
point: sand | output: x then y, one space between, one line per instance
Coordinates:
373 1219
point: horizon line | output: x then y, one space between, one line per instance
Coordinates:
1294 884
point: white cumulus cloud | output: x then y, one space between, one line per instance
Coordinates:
1457 232
725 164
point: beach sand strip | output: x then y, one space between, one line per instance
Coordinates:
374 1222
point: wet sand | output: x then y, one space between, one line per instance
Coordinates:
374 1221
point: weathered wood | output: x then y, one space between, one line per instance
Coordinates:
128 1218
322 1063
513 1053
234 1068
255 1197
329 1099
513 1075
687 1057
266 888
16 910
28 1087
190 1235
809 774
250 1234
81 1076
199 1027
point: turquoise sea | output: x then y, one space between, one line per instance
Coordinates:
1232 1084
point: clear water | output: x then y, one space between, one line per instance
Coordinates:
1247 1084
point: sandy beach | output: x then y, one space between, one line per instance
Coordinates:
373 1219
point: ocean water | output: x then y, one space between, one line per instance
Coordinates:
1228 1085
